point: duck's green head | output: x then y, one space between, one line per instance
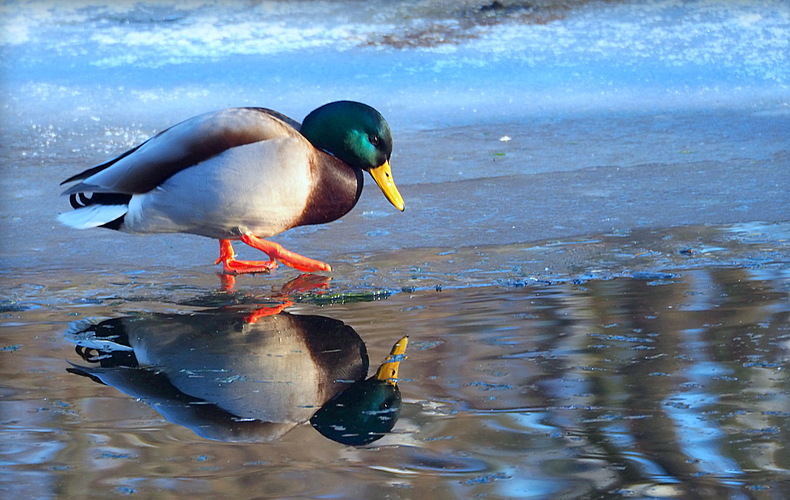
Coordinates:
357 134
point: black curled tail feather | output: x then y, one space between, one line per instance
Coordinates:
81 200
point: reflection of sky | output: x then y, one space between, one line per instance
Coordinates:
522 487
597 399
700 437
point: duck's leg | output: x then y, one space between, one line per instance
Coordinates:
265 312
291 259
232 266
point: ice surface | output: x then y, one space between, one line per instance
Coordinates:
614 55
620 114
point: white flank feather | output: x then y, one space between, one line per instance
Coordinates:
92 216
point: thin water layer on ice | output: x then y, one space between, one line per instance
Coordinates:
647 252
670 384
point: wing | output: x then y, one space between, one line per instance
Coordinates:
188 143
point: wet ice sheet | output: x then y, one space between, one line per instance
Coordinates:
645 253
463 187
628 386
590 118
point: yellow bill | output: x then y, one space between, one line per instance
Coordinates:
383 177
388 371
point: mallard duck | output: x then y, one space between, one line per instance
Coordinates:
226 378
241 174
220 375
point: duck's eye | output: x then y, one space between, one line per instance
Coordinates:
374 139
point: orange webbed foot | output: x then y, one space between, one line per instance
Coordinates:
232 266
290 259
265 312
304 283
227 257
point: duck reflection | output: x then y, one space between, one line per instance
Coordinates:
227 377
